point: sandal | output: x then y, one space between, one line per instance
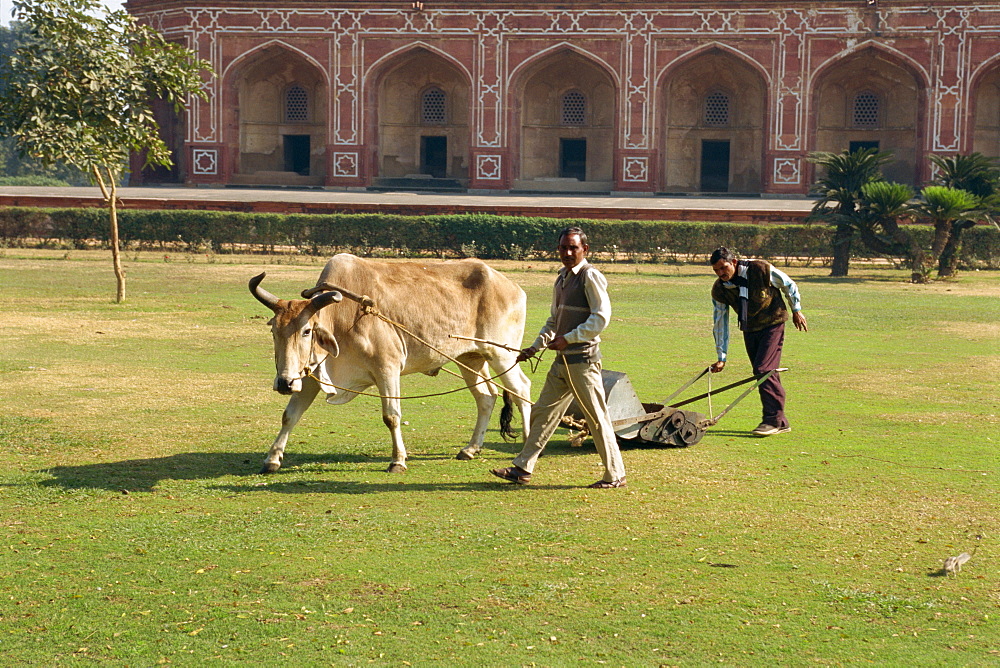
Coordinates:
514 474
605 484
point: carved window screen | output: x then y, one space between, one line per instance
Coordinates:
866 110
574 108
717 109
432 110
296 105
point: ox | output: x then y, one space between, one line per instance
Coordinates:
321 343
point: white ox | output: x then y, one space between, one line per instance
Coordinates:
320 339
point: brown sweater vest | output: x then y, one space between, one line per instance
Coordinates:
572 310
766 307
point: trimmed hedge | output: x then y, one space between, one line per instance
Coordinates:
474 234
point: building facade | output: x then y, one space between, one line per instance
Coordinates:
612 96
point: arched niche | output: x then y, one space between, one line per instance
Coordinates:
423 118
713 109
565 124
986 123
871 99
282 103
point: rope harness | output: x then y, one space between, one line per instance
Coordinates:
366 306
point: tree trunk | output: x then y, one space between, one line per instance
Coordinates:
923 262
109 191
116 256
893 241
942 235
948 263
918 271
841 250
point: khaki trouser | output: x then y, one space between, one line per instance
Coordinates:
555 398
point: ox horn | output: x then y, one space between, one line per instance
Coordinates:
262 295
325 299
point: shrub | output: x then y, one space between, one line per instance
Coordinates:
483 235
33 180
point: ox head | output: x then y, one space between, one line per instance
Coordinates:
301 339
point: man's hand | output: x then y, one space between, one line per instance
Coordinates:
526 354
558 343
800 321
718 366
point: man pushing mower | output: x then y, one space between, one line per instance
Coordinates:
754 289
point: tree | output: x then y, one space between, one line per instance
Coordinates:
974 173
882 206
944 206
80 89
11 164
839 186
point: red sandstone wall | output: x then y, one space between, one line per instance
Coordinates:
945 47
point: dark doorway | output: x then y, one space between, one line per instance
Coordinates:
172 132
297 154
573 159
859 145
714 166
434 156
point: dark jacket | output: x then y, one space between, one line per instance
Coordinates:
765 306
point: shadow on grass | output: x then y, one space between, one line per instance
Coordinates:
854 280
143 475
392 483
735 434
639 444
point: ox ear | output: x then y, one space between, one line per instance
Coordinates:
262 295
326 340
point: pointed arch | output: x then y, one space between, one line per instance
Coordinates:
381 65
273 45
553 154
708 48
267 150
885 74
517 74
984 69
713 103
889 53
982 132
394 88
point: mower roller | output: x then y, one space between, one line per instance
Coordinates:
656 424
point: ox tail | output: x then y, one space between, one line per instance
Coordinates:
507 432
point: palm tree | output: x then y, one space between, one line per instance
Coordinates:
943 206
974 173
880 209
839 187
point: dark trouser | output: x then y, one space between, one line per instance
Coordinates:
764 350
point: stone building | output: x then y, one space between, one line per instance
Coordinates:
594 96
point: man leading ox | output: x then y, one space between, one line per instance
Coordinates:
580 312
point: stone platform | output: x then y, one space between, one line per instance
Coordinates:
288 200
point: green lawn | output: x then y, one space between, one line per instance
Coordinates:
136 531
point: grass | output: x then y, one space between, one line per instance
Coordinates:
134 531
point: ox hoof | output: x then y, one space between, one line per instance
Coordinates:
396 468
465 454
270 468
